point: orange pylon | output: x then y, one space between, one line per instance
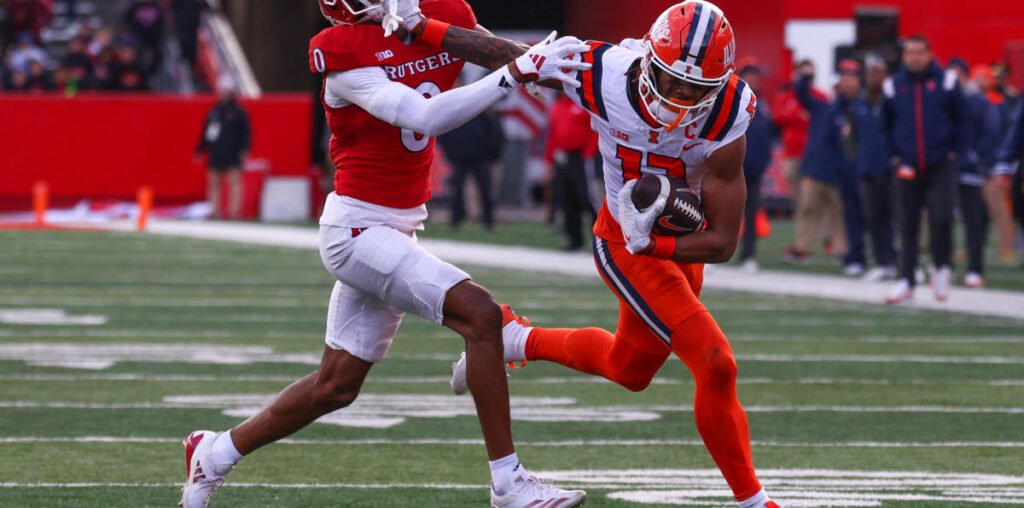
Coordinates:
144 198
40 201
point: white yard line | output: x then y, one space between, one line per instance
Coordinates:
563 443
987 302
216 404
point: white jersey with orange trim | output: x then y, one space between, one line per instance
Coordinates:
631 142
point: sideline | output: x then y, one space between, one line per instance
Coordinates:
985 302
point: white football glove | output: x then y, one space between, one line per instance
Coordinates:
548 60
637 224
399 13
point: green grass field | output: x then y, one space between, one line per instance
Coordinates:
769 254
849 404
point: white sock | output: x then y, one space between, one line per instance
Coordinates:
514 337
224 453
756 501
501 469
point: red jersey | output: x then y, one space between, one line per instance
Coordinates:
378 162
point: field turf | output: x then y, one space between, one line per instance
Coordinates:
113 347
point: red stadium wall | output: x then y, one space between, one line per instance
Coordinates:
107 146
977 33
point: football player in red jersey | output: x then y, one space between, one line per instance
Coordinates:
667 104
385 102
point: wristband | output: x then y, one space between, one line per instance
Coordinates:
434 31
661 247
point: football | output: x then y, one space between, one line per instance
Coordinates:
683 212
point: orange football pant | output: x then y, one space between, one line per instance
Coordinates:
659 314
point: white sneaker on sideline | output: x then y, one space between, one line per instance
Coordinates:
974 280
919 276
525 490
942 283
853 270
901 292
879 273
203 477
750 266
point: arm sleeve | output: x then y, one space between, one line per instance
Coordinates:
370 89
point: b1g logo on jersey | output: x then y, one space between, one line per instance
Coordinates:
410 69
384 55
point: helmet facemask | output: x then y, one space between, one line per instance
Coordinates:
669 112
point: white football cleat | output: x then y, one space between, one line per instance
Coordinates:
974 280
511 326
942 283
203 478
459 383
901 292
526 490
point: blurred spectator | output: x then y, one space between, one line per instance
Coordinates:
145 19
982 129
187 16
873 167
125 72
845 141
39 78
100 42
819 208
225 138
26 51
77 67
29 16
472 149
569 144
1011 151
793 120
760 135
997 190
925 113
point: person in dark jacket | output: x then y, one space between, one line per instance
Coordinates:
819 207
472 149
1011 151
225 138
876 193
760 135
925 112
569 145
844 138
982 128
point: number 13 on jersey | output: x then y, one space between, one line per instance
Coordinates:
633 161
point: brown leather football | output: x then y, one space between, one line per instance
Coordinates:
683 212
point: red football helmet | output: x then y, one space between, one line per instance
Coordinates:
691 42
347 12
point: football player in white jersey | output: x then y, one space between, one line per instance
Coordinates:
666 104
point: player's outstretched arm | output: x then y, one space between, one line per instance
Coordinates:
724 193
397 104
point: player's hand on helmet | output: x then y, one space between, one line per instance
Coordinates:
637 224
398 13
549 59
